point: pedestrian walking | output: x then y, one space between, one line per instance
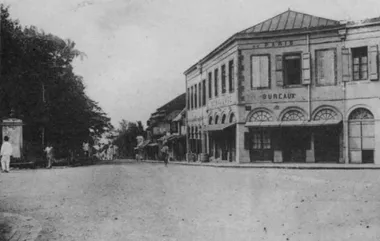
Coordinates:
49 155
6 153
86 149
165 153
110 152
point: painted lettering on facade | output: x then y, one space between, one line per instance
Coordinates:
273 44
279 96
220 102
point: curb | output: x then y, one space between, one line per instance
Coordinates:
279 166
14 227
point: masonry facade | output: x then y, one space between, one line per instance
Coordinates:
304 89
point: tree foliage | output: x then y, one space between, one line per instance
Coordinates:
126 138
39 84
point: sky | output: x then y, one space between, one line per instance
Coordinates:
137 50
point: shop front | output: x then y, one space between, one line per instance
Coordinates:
294 139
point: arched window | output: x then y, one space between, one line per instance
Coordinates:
326 114
232 118
210 120
260 116
216 120
293 115
224 119
361 114
361 129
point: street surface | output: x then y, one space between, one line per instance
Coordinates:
140 201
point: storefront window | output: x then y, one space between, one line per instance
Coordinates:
261 140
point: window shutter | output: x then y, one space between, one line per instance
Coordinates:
279 74
373 52
346 68
247 140
306 76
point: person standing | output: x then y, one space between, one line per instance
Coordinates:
49 155
165 153
6 153
86 148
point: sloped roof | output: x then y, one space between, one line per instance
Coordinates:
177 103
172 115
291 20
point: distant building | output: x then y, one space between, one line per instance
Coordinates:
293 88
163 126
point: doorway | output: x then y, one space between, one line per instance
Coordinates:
295 142
326 144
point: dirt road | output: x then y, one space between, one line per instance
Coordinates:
151 202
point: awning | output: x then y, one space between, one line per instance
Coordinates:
219 127
292 123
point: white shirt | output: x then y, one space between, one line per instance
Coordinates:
6 149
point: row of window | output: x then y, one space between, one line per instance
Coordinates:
197 93
294 68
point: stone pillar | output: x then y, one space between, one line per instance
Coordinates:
346 143
242 155
310 156
207 143
377 142
342 153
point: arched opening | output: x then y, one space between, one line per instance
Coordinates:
232 118
295 139
224 119
216 120
210 120
361 129
328 139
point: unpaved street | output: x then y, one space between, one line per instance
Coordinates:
136 201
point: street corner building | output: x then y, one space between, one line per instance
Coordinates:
294 88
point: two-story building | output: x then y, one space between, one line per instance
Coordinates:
164 122
293 88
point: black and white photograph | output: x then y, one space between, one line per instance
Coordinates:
189 120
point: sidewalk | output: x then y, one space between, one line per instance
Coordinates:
15 227
274 165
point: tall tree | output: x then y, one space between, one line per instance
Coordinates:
39 83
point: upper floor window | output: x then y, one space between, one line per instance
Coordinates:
260 71
360 63
292 69
204 92
231 75
224 87
192 97
326 61
200 94
216 80
210 85
195 96
188 98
